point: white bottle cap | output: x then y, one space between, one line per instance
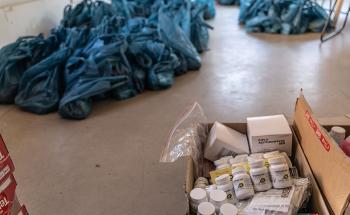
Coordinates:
241 158
257 155
201 180
228 209
238 170
222 166
348 139
338 130
256 163
277 160
271 154
286 157
222 179
206 208
210 188
217 196
198 194
222 160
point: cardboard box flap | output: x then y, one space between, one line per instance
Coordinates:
331 167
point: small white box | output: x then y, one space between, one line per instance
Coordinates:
223 141
269 133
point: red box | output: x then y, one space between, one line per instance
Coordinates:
3 150
23 211
7 195
6 168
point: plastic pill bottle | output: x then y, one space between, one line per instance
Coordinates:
222 166
223 182
228 209
279 171
206 208
242 184
198 195
210 188
259 175
338 133
218 198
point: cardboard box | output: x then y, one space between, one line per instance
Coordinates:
269 133
223 141
330 166
318 204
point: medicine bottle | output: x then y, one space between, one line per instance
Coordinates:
228 209
218 198
279 171
206 208
210 188
242 184
259 175
338 133
224 183
197 195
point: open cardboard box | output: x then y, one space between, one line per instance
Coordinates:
315 157
329 164
317 202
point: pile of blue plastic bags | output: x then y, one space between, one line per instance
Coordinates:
229 2
282 16
102 50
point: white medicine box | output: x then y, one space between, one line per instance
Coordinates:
224 141
269 133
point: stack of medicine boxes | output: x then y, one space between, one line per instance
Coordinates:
9 204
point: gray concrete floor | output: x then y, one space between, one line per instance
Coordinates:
108 164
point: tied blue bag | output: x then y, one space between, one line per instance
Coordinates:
172 35
209 12
101 69
19 56
199 29
282 16
40 88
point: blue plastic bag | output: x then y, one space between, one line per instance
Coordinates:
282 16
172 35
40 87
19 56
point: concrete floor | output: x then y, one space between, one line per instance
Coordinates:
108 164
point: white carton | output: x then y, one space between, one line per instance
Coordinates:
223 141
269 133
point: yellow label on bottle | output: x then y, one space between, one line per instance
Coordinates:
216 173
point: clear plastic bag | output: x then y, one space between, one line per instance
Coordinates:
278 201
187 138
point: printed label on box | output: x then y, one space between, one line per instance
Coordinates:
3 150
7 195
270 143
317 131
6 169
23 211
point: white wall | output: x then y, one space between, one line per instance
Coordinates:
28 17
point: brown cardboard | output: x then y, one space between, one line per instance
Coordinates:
317 201
330 166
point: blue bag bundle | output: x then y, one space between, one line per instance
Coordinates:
84 82
103 50
209 12
282 16
80 15
172 35
40 86
101 69
19 56
199 29
229 2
